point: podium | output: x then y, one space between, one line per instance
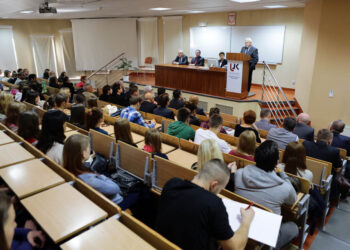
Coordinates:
237 75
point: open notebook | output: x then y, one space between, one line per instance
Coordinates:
265 225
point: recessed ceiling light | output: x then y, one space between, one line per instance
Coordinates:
160 9
245 1
27 11
72 10
196 11
275 6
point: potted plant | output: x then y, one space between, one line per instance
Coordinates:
125 66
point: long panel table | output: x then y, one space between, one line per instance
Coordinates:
211 81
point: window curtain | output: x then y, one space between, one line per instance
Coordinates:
68 52
147 29
8 58
172 27
44 53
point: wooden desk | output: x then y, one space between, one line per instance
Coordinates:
108 128
72 132
183 158
165 147
62 211
110 234
13 153
191 78
4 138
30 177
137 138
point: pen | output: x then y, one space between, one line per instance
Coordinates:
251 204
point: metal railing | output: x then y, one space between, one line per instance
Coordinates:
274 97
107 67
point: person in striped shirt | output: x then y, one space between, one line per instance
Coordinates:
133 115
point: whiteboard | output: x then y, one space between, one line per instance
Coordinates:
268 39
211 40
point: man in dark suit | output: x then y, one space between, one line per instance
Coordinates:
250 50
339 140
198 60
181 58
222 61
322 149
302 129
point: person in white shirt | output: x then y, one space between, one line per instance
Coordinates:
215 124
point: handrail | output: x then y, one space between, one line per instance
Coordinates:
105 66
275 96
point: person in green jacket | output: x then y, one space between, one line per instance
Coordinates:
180 128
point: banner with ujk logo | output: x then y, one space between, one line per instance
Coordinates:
234 76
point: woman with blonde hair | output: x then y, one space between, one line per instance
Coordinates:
208 150
246 146
122 131
5 100
12 115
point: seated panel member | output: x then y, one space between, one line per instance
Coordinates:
222 61
181 58
198 60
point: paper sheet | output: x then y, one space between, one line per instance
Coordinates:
265 225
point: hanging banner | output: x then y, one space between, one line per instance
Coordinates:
234 76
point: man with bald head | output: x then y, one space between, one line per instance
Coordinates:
339 140
302 129
251 51
148 104
194 99
192 216
181 58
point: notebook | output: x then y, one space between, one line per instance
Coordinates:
265 225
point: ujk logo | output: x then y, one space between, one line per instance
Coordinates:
234 66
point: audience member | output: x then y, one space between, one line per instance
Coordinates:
88 91
177 102
49 103
302 129
76 151
133 91
82 82
106 94
249 118
264 123
148 105
92 102
160 91
339 140
94 119
261 184
62 76
322 149
67 84
197 216
212 111
12 237
147 89
12 115
20 79
26 73
193 109
51 138
61 100
283 136
163 110
32 97
28 126
122 131
118 96
207 150
131 113
13 77
294 161
194 99
5 100
53 82
46 75
153 143
246 146
77 111
215 124
181 128
6 77
34 84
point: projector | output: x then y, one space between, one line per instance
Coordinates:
44 8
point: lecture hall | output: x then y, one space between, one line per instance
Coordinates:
187 124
